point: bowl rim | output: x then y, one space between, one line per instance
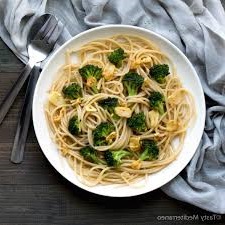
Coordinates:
35 120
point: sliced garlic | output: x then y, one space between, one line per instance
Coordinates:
123 111
56 98
172 125
134 144
154 118
91 81
136 165
135 64
108 72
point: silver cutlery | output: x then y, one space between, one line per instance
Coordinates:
24 120
38 49
52 34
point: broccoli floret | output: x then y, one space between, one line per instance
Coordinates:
113 158
109 104
73 125
101 132
72 91
137 122
90 154
91 74
117 56
133 82
150 150
159 72
157 101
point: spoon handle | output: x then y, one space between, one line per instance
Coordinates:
24 120
10 97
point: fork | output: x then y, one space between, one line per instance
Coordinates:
38 49
23 125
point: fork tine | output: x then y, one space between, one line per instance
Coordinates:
56 33
51 26
45 28
50 31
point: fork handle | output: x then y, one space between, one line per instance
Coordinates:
10 97
24 120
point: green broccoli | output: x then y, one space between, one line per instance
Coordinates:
117 56
113 158
150 150
72 91
91 155
73 125
159 72
91 74
109 104
137 122
133 82
157 101
101 132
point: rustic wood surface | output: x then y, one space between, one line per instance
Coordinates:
34 193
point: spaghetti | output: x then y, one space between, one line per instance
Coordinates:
87 112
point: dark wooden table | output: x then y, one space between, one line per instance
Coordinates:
34 193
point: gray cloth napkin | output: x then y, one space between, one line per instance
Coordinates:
197 27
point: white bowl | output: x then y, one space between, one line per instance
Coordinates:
188 77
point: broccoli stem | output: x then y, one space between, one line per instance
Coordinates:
94 89
131 91
161 109
98 160
144 155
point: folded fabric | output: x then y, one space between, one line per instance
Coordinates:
196 27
